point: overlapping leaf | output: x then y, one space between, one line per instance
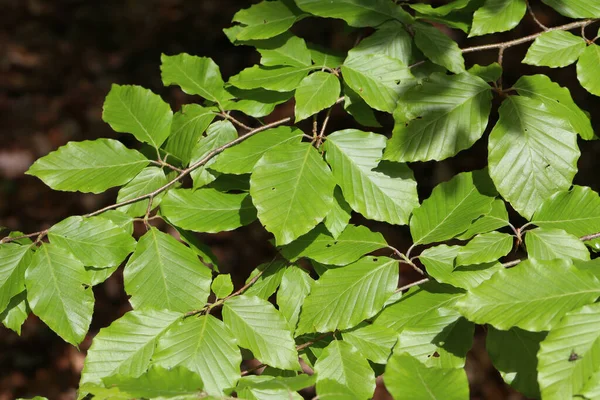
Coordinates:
265 20
375 342
576 8
497 218
442 10
222 286
284 50
339 215
316 92
284 78
147 181
357 13
439 48
485 248
256 102
295 286
555 49
586 67
550 244
16 313
188 126
390 39
269 280
497 16
14 260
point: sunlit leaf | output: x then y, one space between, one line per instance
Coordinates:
555 49
497 16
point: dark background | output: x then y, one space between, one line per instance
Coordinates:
58 59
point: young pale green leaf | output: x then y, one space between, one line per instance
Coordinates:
357 13
188 126
577 211
147 181
163 273
513 353
576 8
497 218
292 189
242 158
568 356
557 100
447 114
532 153
264 386
194 75
284 50
441 10
280 79
218 134
207 210
375 342
440 263
158 382
15 313
222 286
91 166
126 346
14 260
350 294
269 280
265 20
550 244
58 292
555 49
375 78
405 377
497 16
339 215
390 39
205 346
358 108
533 296
485 248
256 103
353 243
295 286
341 364
591 390
316 92
96 241
489 73
136 110
439 48
450 209
120 219
99 275
260 328
387 193
587 64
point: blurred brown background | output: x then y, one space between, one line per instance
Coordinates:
58 59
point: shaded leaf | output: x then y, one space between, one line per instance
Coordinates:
587 64
188 126
485 248
357 13
218 134
390 39
159 382
147 181
576 8
373 341
265 20
497 218
439 48
14 260
268 282
295 286
15 313
489 73
316 92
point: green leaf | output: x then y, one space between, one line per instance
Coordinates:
350 294
58 292
343 365
205 346
218 134
497 16
195 75
555 49
497 218
89 166
387 193
241 158
357 13
489 73
441 10
256 102
405 377
292 189
532 153
16 313
284 50
339 215
14 260
557 100
96 241
447 114
577 211
589 60
147 181
268 282
159 382
187 128
268 387
99 275
316 92
265 20
591 390
533 296
576 8
550 244
390 39
513 353
569 355
260 328
120 219
440 263
439 48
163 273
136 110
325 57
207 210
373 341
295 286
375 78
353 243
450 209
358 108
229 183
280 79
127 345
222 286
485 248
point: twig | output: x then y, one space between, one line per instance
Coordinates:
166 164
537 21
235 121
9 239
590 237
417 283
322 133
404 259
511 263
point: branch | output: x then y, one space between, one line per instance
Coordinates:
417 283
537 21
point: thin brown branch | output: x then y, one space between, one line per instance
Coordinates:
405 260
511 263
9 239
323 126
417 283
235 121
590 237
534 17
